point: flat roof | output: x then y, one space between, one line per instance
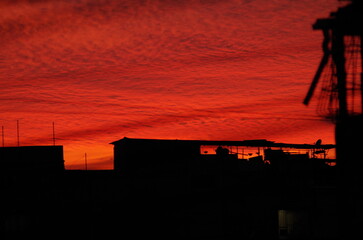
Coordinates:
245 143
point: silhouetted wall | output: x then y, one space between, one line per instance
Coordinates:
31 158
133 155
349 142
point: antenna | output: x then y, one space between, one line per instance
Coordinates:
85 160
17 132
2 136
53 134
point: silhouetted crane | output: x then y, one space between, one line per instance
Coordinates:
340 69
342 99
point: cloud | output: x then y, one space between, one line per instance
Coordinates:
173 69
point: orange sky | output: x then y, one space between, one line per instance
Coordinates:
187 69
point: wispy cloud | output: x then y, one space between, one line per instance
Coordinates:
198 69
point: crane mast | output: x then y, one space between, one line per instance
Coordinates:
341 98
340 69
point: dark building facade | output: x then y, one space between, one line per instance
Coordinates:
175 189
227 193
132 155
32 158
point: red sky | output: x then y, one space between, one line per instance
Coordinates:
186 69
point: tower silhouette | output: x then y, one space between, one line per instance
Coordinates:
341 98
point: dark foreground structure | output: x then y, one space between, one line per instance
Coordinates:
31 159
170 189
167 189
341 98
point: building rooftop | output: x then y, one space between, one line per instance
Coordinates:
245 143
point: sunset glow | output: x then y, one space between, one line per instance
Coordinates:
166 69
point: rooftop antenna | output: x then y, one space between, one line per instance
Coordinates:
17 132
2 136
53 134
85 161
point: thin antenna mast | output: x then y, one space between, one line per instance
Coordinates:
53 134
85 160
17 132
2 136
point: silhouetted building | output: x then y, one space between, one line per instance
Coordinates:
254 189
132 155
32 158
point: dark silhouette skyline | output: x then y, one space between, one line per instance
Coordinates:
169 189
177 189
